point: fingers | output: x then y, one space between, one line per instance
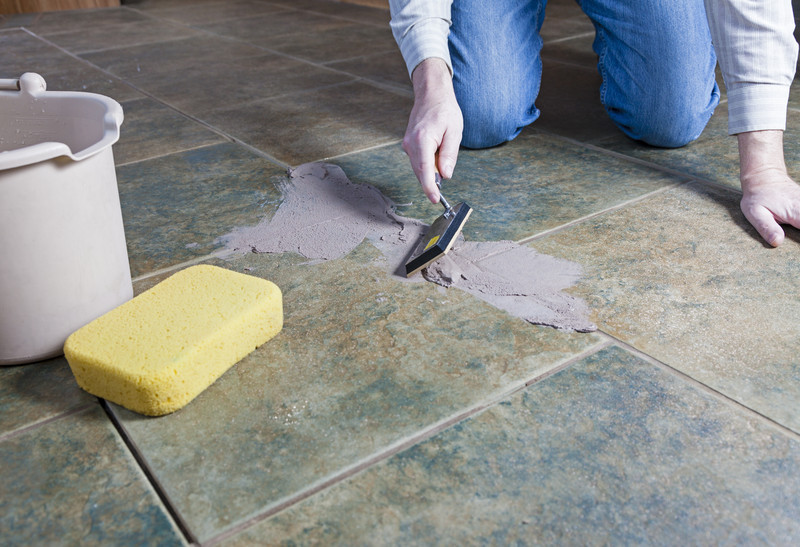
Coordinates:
764 222
448 154
422 154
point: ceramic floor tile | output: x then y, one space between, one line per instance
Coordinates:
38 391
517 190
176 206
569 101
344 10
62 72
608 451
270 28
151 129
683 277
206 12
318 124
16 20
714 156
169 58
119 36
17 43
384 68
200 89
564 21
577 51
364 361
50 23
73 481
335 43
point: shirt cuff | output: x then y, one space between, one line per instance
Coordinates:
757 107
426 39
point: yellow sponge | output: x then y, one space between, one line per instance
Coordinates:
160 350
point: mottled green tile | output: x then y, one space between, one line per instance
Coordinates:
564 21
169 58
386 68
151 129
364 361
204 87
714 156
16 20
73 481
38 391
569 101
205 12
270 28
345 10
50 23
576 50
18 43
517 190
77 76
147 5
317 124
684 278
345 42
62 72
176 206
611 451
97 38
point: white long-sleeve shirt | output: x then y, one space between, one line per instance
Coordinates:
753 40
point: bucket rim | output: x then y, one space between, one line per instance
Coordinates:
31 86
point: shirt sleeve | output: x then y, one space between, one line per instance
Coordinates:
757 53
421 28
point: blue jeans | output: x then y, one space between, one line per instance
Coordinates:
655 58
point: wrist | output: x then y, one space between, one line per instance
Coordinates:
431 75
760 157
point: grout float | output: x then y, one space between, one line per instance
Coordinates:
324 216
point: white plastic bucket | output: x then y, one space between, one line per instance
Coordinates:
63 257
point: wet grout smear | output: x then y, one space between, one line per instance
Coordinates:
324 216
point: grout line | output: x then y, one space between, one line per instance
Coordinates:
174 152
149 474
266 49
355 78
607 210
400 446
221 254
716 394
29 427
344 18
361 150
644 163
568 38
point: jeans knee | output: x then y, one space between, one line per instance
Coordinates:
493 121
668 122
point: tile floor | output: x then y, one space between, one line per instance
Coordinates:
401 413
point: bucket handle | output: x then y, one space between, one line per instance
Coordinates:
11 84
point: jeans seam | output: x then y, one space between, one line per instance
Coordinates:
601 66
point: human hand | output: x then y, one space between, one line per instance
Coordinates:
434 127
770 197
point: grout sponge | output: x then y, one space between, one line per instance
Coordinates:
157 352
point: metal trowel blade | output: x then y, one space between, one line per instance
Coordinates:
439 239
